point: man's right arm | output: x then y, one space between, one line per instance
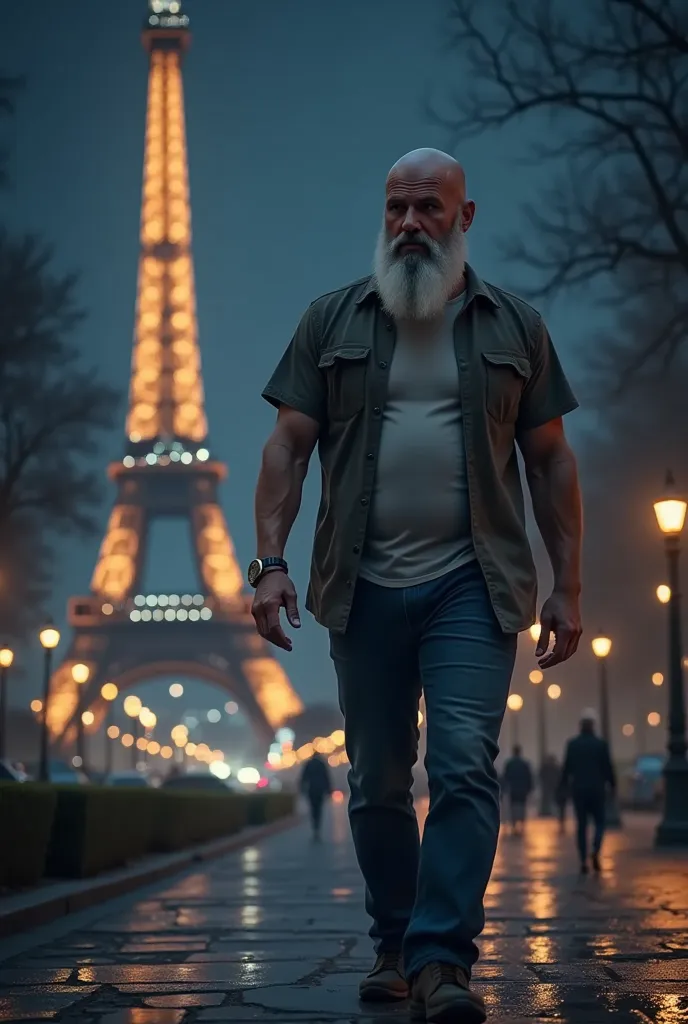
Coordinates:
280 483
278 499
298 389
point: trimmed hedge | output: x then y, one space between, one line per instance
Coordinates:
264 808
184 817
96 828
27 811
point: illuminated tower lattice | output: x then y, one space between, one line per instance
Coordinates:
123 634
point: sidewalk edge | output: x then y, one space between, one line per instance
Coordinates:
31 911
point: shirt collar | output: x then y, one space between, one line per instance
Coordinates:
474 286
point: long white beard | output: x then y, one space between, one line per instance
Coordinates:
416 286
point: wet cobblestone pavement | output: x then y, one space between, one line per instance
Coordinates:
277 933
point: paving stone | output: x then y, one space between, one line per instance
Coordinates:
187 999
39 1005
246 974
136 1015
180 948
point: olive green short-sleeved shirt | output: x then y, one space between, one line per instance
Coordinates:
336 371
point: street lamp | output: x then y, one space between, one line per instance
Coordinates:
536 677
108 692
80 674
6 659
670 511
663 593
132 708
49 638
601 648
514 704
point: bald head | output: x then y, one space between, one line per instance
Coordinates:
421 252
430 165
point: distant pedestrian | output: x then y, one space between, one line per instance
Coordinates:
316 786
517 782
588 774
562 799
550 773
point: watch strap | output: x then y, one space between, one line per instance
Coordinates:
273 562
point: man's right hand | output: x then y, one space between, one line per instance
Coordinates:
274 592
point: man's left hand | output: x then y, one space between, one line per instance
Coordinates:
560 615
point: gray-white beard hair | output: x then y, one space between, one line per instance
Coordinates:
416 286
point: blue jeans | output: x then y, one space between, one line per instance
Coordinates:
443 637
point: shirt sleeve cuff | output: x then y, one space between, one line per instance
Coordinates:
276 397
547 415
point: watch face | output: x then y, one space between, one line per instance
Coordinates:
254 571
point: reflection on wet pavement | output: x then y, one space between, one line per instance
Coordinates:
277 933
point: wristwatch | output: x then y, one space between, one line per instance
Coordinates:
259 567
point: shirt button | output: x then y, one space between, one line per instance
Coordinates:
389 327
349 583
364 501
356 549
370 456
377 410
382 365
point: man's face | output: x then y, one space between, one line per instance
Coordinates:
421 251
414 208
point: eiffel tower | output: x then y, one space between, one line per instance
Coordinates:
123 634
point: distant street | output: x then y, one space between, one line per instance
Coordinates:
277 933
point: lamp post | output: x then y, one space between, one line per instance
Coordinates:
108 692
601 647
6 659
80 675
132 708
670 511
49 638
536 677
514 704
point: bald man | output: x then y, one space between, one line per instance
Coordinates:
418 384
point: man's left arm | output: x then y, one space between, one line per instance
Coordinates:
552 477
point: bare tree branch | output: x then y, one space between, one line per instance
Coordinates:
611 79
52 412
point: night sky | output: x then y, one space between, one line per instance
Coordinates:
295 111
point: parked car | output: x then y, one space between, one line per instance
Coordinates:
647 781
133 778
63 774
198 780
11 772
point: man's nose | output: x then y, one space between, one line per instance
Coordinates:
411 223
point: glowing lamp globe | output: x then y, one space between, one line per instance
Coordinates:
80 674
515 702
601 646
663 593
670 510
49 637
6 657
132 706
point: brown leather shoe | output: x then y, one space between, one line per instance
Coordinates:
386 982
441 995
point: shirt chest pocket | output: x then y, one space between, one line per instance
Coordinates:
345 372
506 375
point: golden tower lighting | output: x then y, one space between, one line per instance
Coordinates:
166 467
